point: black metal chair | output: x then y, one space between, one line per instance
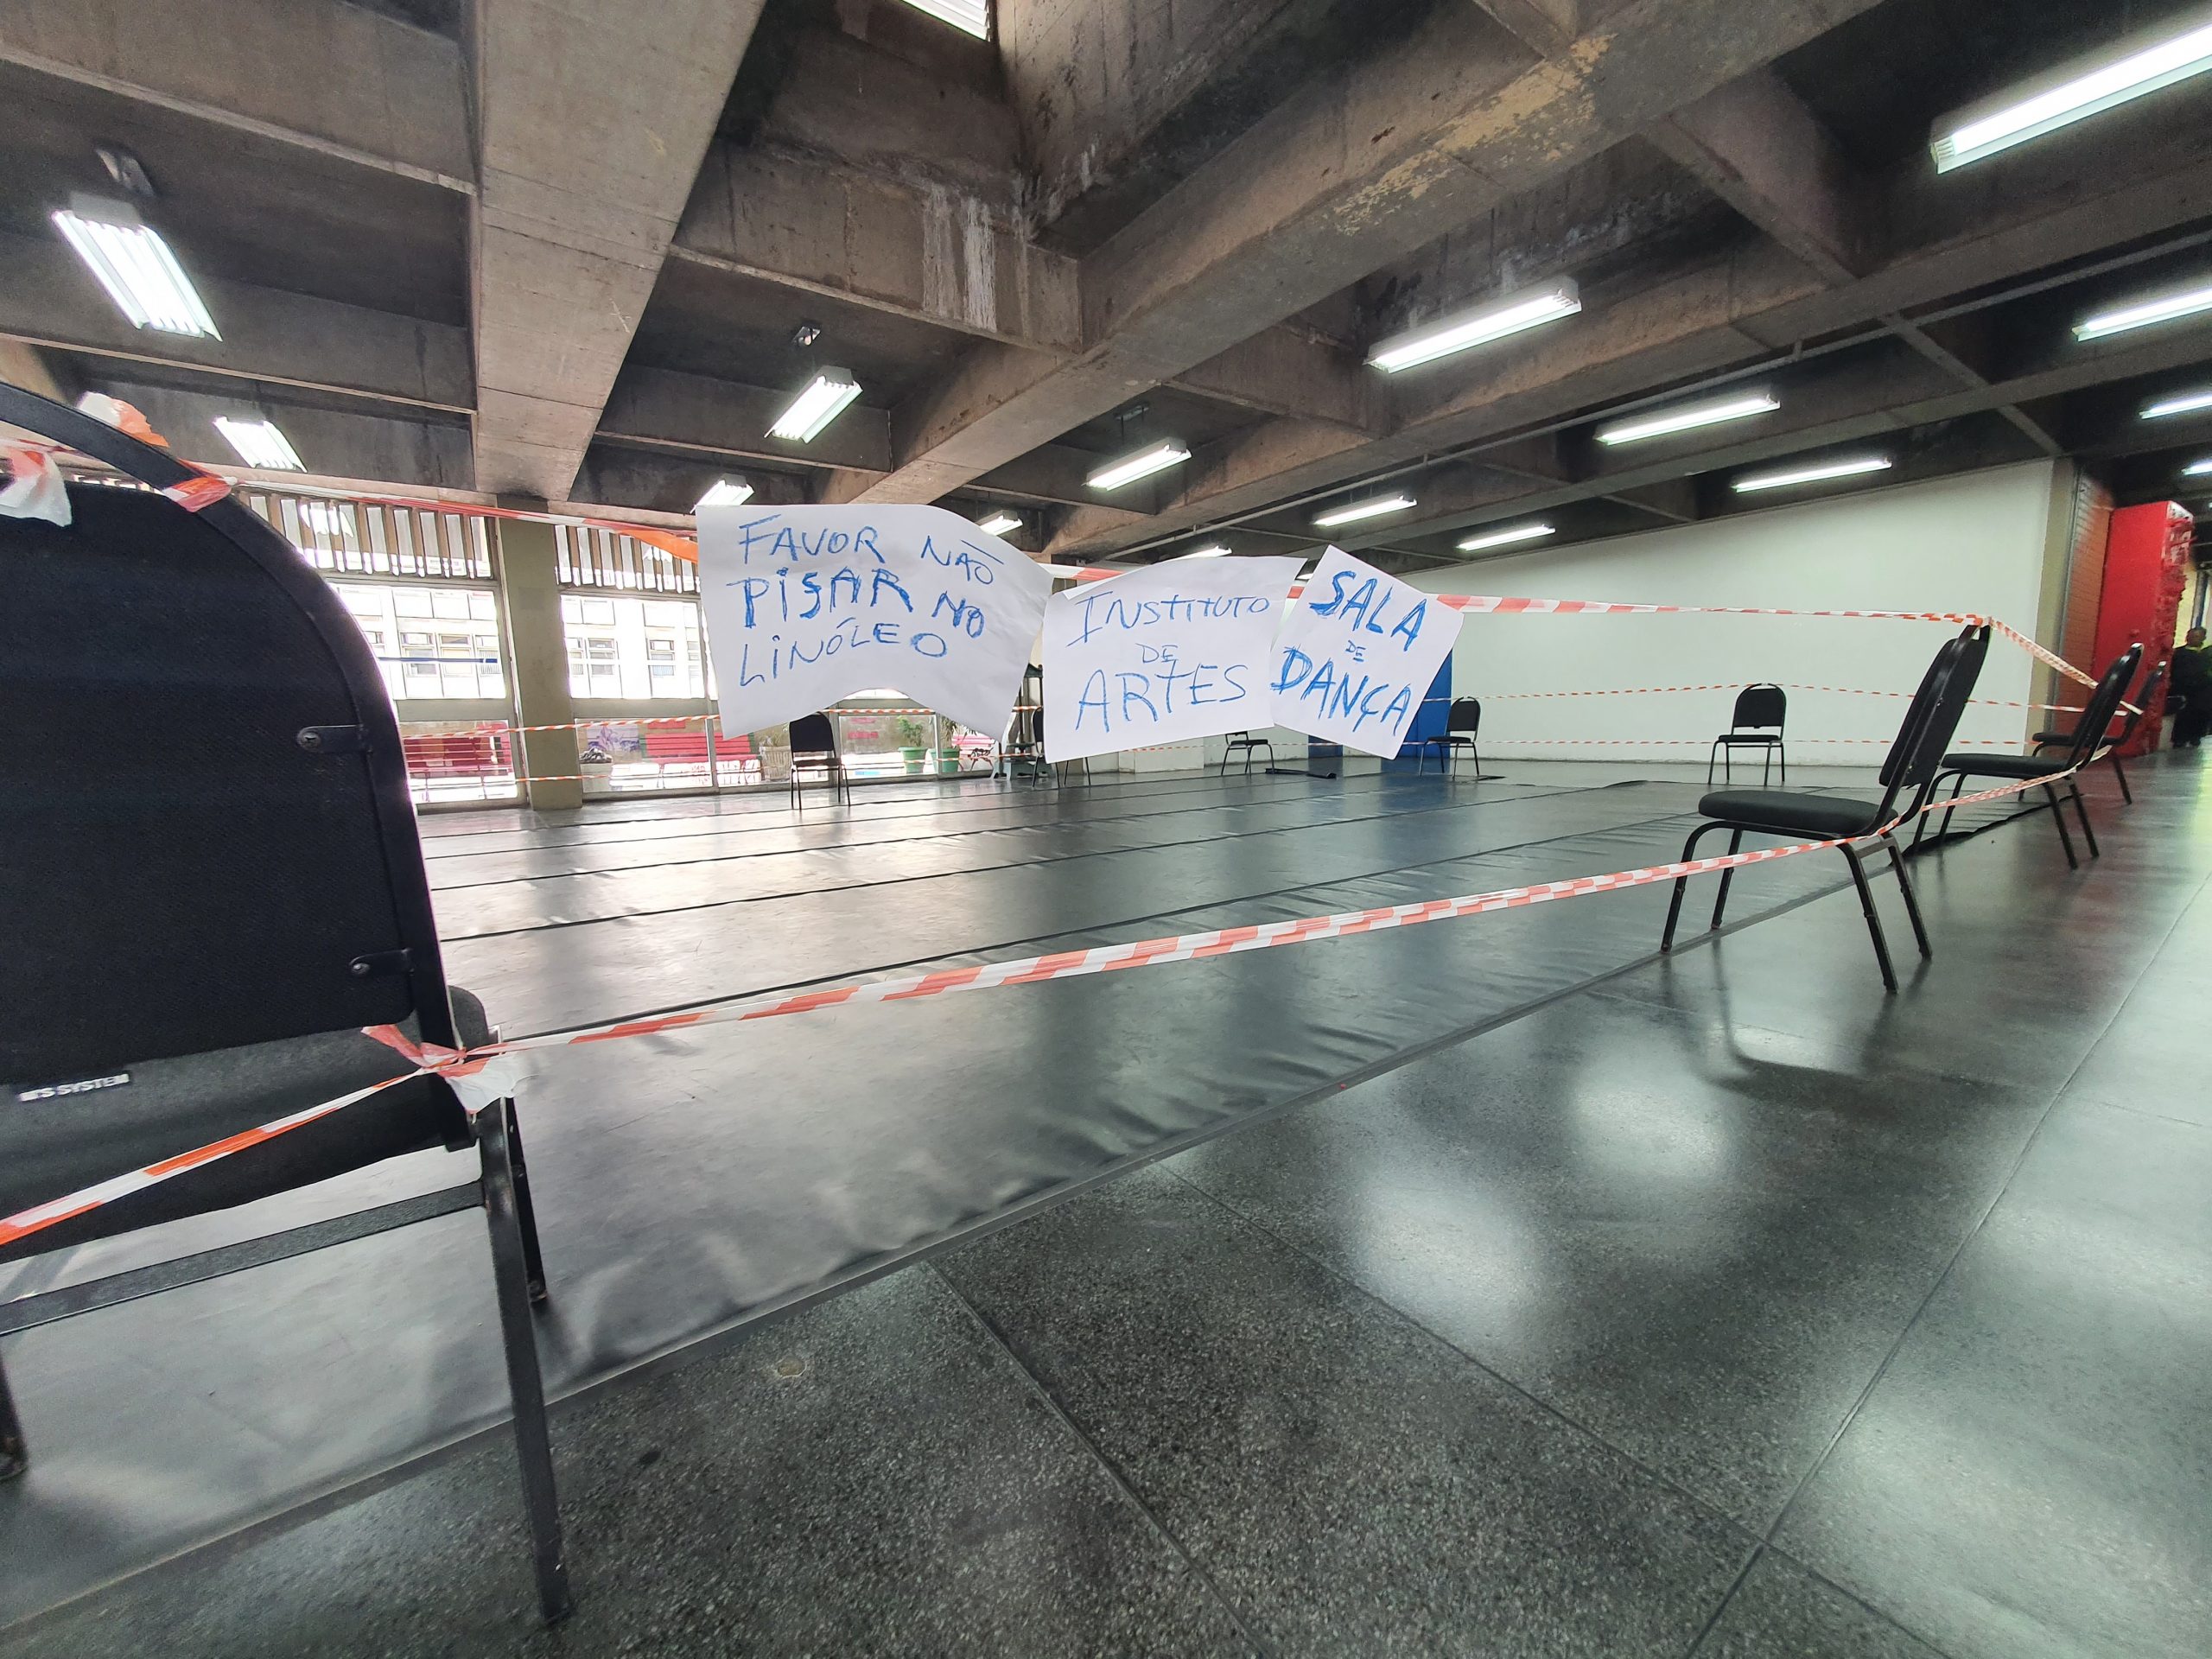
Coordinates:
1460 728
2096 723
1244 743
216 885
2146 702
1757 723
1024 746
814 749
1907 775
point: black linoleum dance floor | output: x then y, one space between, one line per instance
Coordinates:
1492 1286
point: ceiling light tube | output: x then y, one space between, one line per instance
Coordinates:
1530 308
813 410
969 16
2197 468
1001 522
1690 417
2083 89
1143 464
1359 510
2142 314
134 266
1217 551
1850 468
725 493
260 444
1507 537
2187 404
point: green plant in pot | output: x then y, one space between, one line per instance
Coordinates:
913 744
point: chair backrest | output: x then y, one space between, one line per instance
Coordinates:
207 830
1758 707
2104 702
1931 720
2146 700
814 734
1466 716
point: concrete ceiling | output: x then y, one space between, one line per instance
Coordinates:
519 248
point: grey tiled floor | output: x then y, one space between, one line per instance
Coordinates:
1733 1309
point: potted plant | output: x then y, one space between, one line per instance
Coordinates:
913 745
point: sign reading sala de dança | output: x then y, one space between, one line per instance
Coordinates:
807 606
1358 654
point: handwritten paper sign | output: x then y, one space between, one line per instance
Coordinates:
806 606
1359 650
1175 650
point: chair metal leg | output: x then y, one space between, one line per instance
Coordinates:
1681 884
1958 788
2081 811
1712 760
1911 899
1720 898
1766 765
1475 749
15 1453
1782 752
2121 772
525 1212
1873 916
2058 817
510 1274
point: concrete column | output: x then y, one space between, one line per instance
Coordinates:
537 655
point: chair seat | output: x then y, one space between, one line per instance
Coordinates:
55 1145
2003 766
1453 738
1790 813
1759 738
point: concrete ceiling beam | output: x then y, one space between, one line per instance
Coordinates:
342 81
663 408
48 299
1752 301
918 251
1545 27
1755 145
369 451
591 126
1358 170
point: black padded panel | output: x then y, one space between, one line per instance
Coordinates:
1760 706
177 873
2003 765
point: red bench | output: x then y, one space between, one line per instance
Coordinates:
479 753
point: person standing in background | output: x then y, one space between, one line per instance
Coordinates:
2190 694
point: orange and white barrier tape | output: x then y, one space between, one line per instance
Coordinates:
481 1075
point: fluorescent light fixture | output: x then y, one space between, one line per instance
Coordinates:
136 267
1850 468
2082 89
970 17
1359 510
2197 468
1217 551
822 401
1506 537
1690 417
2187 404
1143 464
999 523
726 492
1529 308
260 444
2141 314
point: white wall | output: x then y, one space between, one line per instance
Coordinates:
1971 544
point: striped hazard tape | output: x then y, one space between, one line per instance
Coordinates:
481 1075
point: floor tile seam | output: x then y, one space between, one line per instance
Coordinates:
924 840
887 841
955 958
1555 1413
1199 799
1193 1560
1936 1288
2104 1105
998 801
1859 1601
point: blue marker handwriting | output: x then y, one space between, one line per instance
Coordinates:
1102 613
